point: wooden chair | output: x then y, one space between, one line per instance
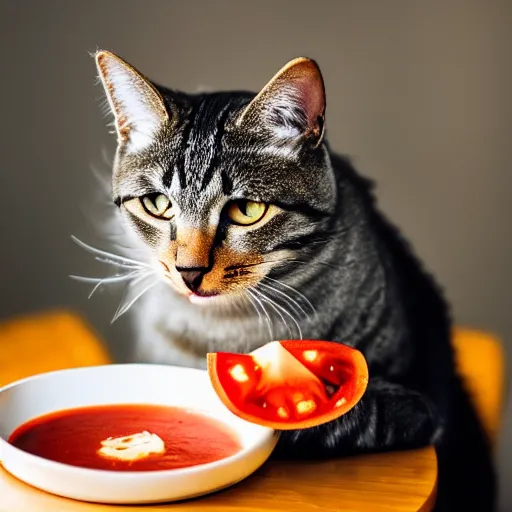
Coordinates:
481 362
45 342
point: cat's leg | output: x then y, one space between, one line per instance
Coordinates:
388 417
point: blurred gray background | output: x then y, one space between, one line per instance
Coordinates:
418 95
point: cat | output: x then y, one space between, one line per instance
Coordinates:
250 228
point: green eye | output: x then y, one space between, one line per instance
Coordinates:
246 213
158 205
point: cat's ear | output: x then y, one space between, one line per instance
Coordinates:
292 104
138 108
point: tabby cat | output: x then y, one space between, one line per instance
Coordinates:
249 229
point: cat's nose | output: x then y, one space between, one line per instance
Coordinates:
192 277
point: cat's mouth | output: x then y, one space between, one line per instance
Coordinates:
205 297
204 294
201 298
197 296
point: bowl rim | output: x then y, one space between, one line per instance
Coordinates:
267 434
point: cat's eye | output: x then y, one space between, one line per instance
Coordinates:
245 212
158 205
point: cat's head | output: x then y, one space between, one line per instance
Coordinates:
225 188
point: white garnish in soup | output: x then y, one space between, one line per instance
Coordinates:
133 447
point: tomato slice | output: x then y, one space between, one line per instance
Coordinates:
290 384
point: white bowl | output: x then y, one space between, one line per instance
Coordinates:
116 384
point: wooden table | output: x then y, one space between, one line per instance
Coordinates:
400 481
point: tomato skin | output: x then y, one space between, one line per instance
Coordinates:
290 384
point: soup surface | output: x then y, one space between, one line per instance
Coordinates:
127 437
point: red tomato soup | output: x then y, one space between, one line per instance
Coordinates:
75 437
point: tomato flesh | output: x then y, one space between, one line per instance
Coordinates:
290 384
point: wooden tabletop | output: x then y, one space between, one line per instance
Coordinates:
389 482
401 482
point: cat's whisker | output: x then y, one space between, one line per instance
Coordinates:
284 310
249 297
247 304
276 310
99 281
287 299
107 256
299 294
267 316
108 279
124 307
119 264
